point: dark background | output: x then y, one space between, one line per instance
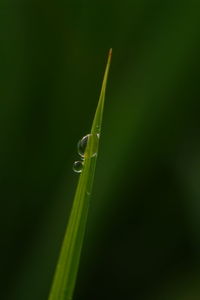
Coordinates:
143 234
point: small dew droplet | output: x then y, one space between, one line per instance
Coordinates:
82 144
78 166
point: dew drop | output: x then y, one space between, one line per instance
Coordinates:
82 144
78 166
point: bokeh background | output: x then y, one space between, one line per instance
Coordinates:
143 234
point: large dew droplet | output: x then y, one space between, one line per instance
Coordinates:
82 144
78 166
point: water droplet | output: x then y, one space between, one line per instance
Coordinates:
82 144
78 166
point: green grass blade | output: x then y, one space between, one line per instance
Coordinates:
67 267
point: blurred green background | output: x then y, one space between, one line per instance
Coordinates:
143 235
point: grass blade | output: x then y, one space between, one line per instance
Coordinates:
67 267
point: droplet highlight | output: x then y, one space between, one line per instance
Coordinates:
78 166
82 144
